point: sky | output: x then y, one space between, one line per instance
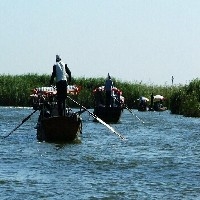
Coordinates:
146 41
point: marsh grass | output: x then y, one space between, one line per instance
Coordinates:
180 99
186 100
15 90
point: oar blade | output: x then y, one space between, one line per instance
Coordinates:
109 127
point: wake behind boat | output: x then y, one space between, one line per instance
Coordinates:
50 126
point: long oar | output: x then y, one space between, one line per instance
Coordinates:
24 120
129 109
98 119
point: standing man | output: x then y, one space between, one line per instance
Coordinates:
108 89
60 71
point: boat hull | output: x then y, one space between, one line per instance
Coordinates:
59 128
108 114
143 108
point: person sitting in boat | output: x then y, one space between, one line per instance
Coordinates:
108 90
156 106
161 103
98 97
60 71
116 97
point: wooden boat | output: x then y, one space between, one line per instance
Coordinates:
51 127
158 106
143 104
110 113
157 103
59 128
143 108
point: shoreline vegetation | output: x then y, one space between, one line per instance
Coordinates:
180 99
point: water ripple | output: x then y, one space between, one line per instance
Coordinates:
159 160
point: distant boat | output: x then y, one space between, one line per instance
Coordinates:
50 126
157 103
110 113
143 104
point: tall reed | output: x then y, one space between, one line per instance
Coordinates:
180 99
186 100
15 90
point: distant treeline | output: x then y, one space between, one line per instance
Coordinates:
180 99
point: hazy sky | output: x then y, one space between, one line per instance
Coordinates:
133 40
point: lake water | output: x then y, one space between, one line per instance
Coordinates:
160 159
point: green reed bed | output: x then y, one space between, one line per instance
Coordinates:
15 90
185 100
180 99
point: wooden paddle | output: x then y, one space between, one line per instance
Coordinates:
24 120
98 119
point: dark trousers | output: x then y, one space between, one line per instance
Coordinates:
108 98
61 96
